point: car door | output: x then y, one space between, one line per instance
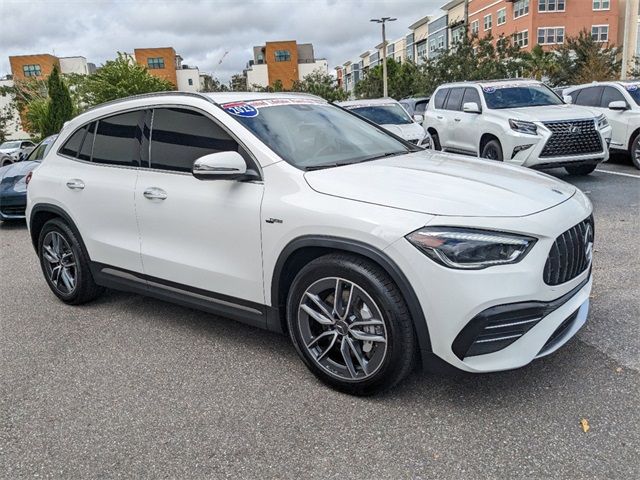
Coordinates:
198 236
98 187
453 116
466 133
618 119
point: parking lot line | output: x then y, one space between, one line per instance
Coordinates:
618 173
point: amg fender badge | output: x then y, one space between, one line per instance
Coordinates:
273 220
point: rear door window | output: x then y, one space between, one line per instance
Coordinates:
180 136
117 139
454 102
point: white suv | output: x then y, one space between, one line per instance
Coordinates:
620 103
521 122
290 214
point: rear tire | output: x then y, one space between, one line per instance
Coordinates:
492 150
350 324
580 169
634 151
65 265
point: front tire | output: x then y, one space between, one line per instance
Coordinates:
580 169
634 151
350 324
492 150
65 265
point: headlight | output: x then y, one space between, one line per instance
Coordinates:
602 122
470 249
523 127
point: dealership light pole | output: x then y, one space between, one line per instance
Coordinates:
383 20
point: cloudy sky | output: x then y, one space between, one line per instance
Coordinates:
200 30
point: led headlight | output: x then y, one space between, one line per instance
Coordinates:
470 249
523 127
602 122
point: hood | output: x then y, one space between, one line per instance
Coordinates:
407 131
443 184
550 113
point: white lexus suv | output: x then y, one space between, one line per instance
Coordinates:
291 214
620 103
522 122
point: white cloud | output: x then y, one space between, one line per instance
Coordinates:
200 30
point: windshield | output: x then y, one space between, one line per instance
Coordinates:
383 114
633 90
517 96
309 134
8 145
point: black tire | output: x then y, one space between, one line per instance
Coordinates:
85 289
492 150
400 347
5 161
435 141
580 169
634 151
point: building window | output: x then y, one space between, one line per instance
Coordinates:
502 16
391 49
600 33
432 45
31 70
601 4
520 8
457 35
283 56
551 5
155 63
440 42
421 51
488 22
550 36
521 38
475 26
260 59
190 80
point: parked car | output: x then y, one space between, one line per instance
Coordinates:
15 150
389 114
290 214
13 187
521 122
416 107
620 103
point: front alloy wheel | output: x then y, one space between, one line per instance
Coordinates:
342 328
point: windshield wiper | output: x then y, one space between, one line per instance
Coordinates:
353 162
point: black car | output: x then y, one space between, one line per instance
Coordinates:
13 188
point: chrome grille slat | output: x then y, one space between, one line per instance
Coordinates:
565 140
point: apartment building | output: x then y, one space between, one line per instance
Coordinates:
40 66
438 36
545 22
285 61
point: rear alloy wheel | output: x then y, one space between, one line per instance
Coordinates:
580 169
634 151
64 264
492 151
350 324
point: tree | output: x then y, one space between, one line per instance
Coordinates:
404 80
238 83
120 78
540 64
320 84
5 119
58 109
211 84
634 70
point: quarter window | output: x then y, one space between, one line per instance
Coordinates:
72 146
117 139
180 136
282 56
520 8
31 70
156 63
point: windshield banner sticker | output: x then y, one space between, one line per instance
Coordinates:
241 109
632 88
493 88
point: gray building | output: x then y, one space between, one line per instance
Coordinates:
438 39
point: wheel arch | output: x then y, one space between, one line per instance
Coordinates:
302 250
632 137
486 138
41 214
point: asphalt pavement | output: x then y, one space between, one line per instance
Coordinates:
134 387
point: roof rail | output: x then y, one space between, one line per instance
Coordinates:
169 93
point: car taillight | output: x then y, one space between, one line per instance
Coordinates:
27 179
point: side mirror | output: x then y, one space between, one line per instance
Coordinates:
219 166
567 99
471 107
418 118
618 105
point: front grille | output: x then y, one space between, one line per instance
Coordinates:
577 137
570 254
18 210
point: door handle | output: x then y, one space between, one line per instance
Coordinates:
439 117
75 184
457 119
155 193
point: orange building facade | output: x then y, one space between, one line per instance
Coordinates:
545 22
282 62
26 67
160 62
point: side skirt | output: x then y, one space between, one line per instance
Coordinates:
250 313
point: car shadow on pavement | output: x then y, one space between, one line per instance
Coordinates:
13 225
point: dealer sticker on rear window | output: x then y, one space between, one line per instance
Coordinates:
241 109
632 87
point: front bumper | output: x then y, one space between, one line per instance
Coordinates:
451 299
527 150
12 205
